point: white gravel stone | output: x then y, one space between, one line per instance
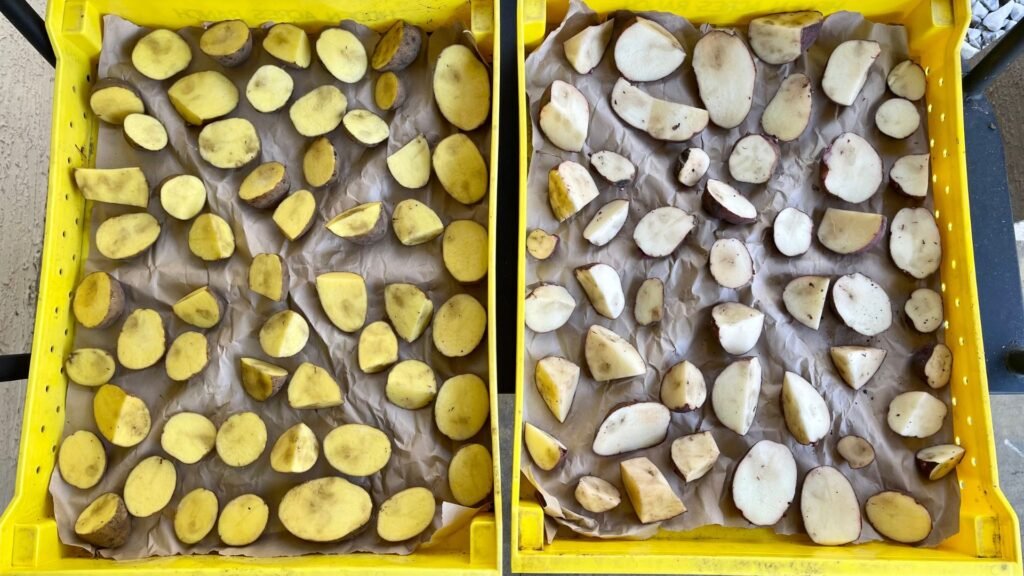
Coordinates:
1017 11
967 52
990 5
995 19
974 37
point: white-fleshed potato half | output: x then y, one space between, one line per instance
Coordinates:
188 437
556 379
410 164
782 38
409 309
850 231
730 263
203 96
650 494
241 439
570 188
90 366
228 42
104 522
343 298
649 306
461 169
243 520
325 509
464 250
121 418
645 51
907 80
805 298
683 388
935 462
289 44
545 450
187 356
144 132
694 455
361 224
321 163
269 88
847 70
462 87
607 222
284 334
565 117
548 307
753 159
806 414
540 244
789 112
265 185
632 426
195 516
737 326
82 460
851 168
462 407
857 364
149 486
613 167
182 196
378 347
406 514
898 516
112 99
610 356
897 118
909 175
415 223
312 387
319 111
862 304
603 288
459 326
260 379
723 202
142 340
294 215
471 475
924 310
916 414
857 451
342 55
229 143
662 230
829 507
366 127
585 50
201 308
792 231
764 483
210 238
596 494
411 385
161 54
734 395
357 449
725 74
660 119
128 235
397 48
934 365
914 242
693 164
99 300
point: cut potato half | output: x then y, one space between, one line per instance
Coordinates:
753 159
366 127
243 520
284 334
914 242
289 44
201 308
82 460
829 507
362 224
230 143
112 99
847 70
850 231
462 87
909 175
312 387
410 164
144 132
228 42
128 235
406 514
764 483
415 223
196 515
585 50
150 486
916 414
547 308
161 54
899 517
723 202
99 300
907 80
459 326
142 340
471 475
464 250
565 117
462 407
730 263
269 88
862 304
210 238
357 449
610 356
125 186
188 437
203 96
645 51
121 418
660 119
897 118
90 366
294 215
265 186
633 426
725 73
735 393
851 168
344 299
662 230
411 385
182 196
789 112
241 439
805 297
460 168
319 111
342 55
325 509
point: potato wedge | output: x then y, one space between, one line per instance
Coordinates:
460 168
410 164
660 119
260 379
411 385
464 249
312 387
125 186
397 48
196 515
462 87
230 143
462 406
269 88
342 55
210 238
694 455
284 334
782 38
294 215
459 326
265 186
565 116
243 520
128 235
320 163
357 449
471 475
596 494
586 49
201 308
228 42
378 347
556 379
268 276
651 495
188 437
99 300
161 54
409 309
121 418
649 307
319 111
726 76
683 388
112 99
366 127
325 509
182 196
142 340
203 96
570 189
143 132
82 460
415 223
789 112
406 514
289 44
389 91
847 70
187 356
104 522
610 356
295 451
362 224
343 297
150 486
241 439
90 366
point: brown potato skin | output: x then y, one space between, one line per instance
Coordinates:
380 228
115 532
408 49
274 195
232 60
716 210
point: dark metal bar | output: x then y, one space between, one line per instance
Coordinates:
1002 55
506 268
31 26
14 367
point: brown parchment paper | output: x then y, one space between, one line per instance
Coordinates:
690 292
168 271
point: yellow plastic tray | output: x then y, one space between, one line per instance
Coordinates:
989 537
28 532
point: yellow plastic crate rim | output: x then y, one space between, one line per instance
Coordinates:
989 537
28 532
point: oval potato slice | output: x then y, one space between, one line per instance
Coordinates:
459 326
121 418
406 514
357 449
82 460
462 87
462 406
325 509
471 474
461 168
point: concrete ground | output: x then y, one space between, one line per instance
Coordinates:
24 150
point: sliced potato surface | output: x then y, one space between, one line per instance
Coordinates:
357 449
82 460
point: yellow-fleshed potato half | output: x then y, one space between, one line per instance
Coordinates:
415 223
411 385
188 356
121 418
295 451
243 520
90 366
410 164
342 54
188 437
144 132
320 163
362 224
462 406
462 87
112 99
284 334
82 460
228 42
99 300
128 235
319 111
389 91
471 475
104 522
398 47
294 215
357 449
461 168
378 347
269 88
459 326
150 486
203 96
268 276
142 341
366 127
161 54
196 515
406 514
325 509
182 196
312 387
210 238
230 143
124 186
260 379
289 44
241 439
409 310
343 297
201 308
265 186
464 249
